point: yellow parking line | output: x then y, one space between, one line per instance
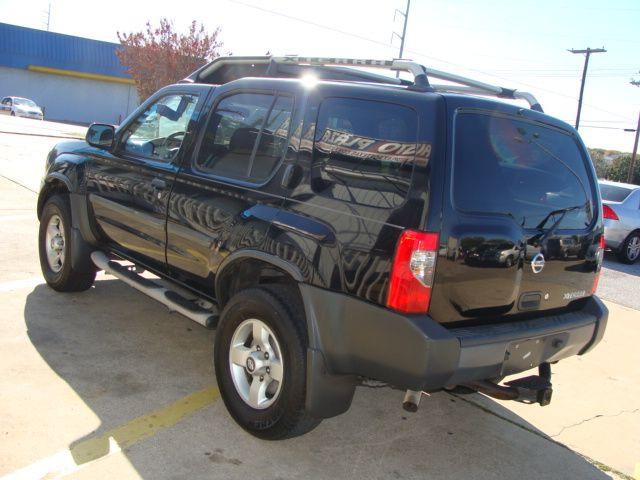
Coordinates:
124 436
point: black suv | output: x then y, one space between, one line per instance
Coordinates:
338 227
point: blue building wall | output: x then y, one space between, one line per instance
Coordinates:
21 47
75 79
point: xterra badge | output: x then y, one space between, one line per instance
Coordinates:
574 295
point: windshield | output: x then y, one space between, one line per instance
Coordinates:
25 102
614 193
533 173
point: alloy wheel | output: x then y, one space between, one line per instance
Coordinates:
256 364
54 243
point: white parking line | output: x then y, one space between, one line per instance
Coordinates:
19 284
20 216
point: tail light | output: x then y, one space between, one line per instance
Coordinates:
607 212
599 258
412 272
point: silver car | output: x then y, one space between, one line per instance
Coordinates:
21 107
621 208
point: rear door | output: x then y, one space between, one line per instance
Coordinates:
227 194
521 226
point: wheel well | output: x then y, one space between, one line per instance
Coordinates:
49 189
632 232
247 273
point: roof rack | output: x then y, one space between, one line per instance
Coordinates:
224 69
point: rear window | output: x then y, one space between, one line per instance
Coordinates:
614 193
365 151
525 170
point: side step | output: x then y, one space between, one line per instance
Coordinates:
173 300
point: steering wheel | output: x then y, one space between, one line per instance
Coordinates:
171 137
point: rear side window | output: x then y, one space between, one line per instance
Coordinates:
614 193
246 136
525 170
364 151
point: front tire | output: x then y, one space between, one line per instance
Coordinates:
260 362
55 247
630 250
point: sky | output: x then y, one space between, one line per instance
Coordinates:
519 44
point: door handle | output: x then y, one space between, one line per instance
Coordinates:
158 183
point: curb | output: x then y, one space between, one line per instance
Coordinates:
42 135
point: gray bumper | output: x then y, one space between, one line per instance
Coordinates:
505 349
350 338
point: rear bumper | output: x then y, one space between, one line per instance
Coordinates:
505 349
35 116
349 338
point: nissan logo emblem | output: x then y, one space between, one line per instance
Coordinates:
537 264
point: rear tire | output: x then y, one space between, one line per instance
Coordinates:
280 413
630 250
55 245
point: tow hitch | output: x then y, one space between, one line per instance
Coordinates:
532 389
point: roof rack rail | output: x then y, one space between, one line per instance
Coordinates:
270 66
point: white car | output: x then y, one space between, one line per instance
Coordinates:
21 107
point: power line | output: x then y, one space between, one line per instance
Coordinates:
385 45
537 33
608 128
570 7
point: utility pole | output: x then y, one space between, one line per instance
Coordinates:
588 52
405 14
635 143
47 13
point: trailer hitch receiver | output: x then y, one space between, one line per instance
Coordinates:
531 389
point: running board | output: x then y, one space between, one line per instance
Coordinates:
173 300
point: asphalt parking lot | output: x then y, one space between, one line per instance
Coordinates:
109 384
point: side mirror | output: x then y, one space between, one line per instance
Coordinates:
101 135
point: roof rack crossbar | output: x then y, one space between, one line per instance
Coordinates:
417 70
420 74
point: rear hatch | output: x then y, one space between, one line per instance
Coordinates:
522 225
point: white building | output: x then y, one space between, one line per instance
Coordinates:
75 79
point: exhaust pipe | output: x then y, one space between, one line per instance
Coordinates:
411 401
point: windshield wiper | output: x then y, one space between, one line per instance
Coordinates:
562 212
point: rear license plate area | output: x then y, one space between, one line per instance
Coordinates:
525 354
